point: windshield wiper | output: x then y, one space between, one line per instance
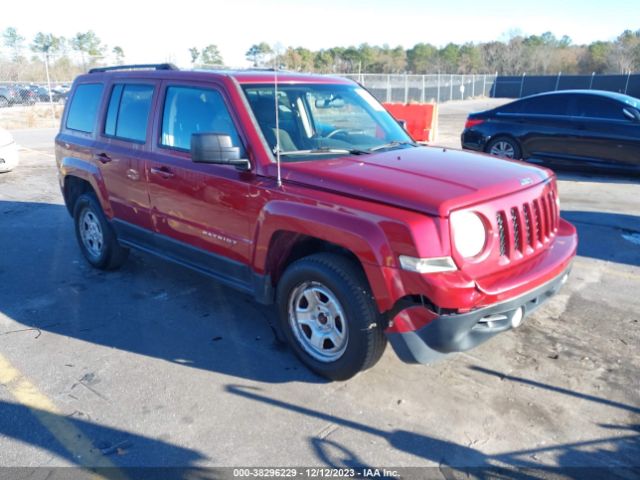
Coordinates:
323 151
391 145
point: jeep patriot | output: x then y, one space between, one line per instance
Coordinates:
303 192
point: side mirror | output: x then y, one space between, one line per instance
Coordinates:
216 148
631 114
403 124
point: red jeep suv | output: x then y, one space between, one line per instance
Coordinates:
302 191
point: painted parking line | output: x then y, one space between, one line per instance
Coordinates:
72 439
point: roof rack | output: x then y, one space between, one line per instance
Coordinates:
147 66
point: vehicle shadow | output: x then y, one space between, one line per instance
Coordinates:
86 444
607 236
573 176
149 307
606 457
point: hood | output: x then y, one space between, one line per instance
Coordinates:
431 180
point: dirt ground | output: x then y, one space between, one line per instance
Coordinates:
154 365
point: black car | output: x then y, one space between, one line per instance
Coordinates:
43 95
578 129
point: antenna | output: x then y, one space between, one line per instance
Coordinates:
275 102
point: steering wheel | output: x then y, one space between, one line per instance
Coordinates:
336 131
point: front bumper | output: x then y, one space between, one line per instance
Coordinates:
449 333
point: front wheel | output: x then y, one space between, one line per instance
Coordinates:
504 147
328 316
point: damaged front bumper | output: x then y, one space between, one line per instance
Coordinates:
456 332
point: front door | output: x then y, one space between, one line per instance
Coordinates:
200 210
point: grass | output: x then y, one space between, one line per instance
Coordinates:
32 116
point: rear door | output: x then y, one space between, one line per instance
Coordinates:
607 136
547 130
122 147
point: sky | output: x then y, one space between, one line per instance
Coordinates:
159 31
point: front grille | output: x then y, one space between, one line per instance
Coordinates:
531 225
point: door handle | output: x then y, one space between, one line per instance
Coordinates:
103 158
164 172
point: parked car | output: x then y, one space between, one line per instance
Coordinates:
8 151
16 95
43 95
326 212
579 129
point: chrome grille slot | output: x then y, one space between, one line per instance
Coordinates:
527 223
516 229
538 220
502 233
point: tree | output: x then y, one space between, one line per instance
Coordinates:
259 53
88 44
13 41
47 43
470 59
118 52
624 54
596 57
195 54
449 57
299 59
211 55
422 58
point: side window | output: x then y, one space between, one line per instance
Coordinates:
596 107
128 112
513 107
190 110
84 107
546 105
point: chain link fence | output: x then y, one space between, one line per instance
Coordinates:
31 105
438 88
33 90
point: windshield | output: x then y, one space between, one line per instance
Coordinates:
324 121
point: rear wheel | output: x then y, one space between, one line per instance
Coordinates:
328 316
4 102
504 147
95 235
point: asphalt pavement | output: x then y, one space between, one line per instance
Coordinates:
155 365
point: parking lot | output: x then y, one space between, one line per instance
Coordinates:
155 365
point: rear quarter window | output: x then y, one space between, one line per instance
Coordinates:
84 107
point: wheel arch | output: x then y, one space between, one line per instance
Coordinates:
78 177
319 230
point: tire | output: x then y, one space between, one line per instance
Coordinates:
4 103
346 336
508 146
96 237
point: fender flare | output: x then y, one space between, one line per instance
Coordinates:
76 167
361 236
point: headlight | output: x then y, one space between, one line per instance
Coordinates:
469 233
